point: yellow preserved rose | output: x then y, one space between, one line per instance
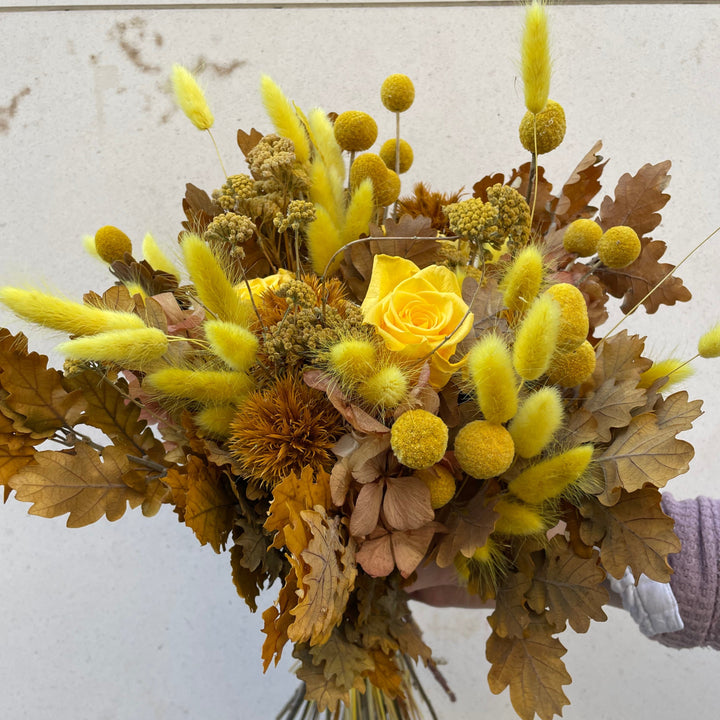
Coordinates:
259 285
414 311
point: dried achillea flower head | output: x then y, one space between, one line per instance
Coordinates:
231 228
111 243
419 439
397 92
513 213
618 247
355 130
234 189
550 128
581 237
387 153
484 449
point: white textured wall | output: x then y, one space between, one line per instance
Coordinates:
135 620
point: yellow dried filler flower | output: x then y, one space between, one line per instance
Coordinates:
397 92
569 369
419 439
618 247
581 237
389 189
547 128
191 98
484 449
111 243
440 482
355 130
387 153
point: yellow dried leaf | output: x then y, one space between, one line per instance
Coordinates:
326 587
531 665
342 662
324 692
277 620
634 532
511 616
247 583
83 483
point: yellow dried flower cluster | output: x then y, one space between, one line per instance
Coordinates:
272 156
513 213
474 220
233 190
299 213
386 183
231 228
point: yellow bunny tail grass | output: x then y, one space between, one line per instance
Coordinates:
709 344
215 420
284 118
133 349
88 242
537 421
491 372
535 60
673 370
233 344
135 288
523 280
385 389
66 315
359 212
352 360
211 387
323 137
212 285
549 478
322 238
536 338
326 189
516 518
156 257
191 98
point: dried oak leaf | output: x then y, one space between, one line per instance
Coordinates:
511 616
342 662
386 675
326 587
199 209
542 198
619 357
480 188
248 583
638 199
294 494
109 410
485 303
247 141
325 693
647 451
568 588
17 449
36 393
612 403
468 528
532 666
152 281
634 532
580 188
277 619
645 275
210 505
82 482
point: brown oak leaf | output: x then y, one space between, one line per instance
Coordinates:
82 482
634 532
568 588
199 209
277 619
342 662
612 404
619 357
580 188
511 616
248 583
532 666
325 693
326 587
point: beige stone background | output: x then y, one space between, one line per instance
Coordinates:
133 619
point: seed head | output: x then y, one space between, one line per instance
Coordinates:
581 237
387 153
397 92
112 244
484 449
548 126
618 247
355 130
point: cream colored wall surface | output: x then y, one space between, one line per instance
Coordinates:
135 620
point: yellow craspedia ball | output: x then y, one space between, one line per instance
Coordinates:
569 369
550 128
355 130
574 322
387 153
368 165
389 190
484 449
618 247
112 244
581 237
397 92
385 389
440 482
419 439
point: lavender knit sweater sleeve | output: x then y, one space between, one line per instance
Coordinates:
696 577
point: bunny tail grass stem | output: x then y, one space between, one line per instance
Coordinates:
217 150
657 285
